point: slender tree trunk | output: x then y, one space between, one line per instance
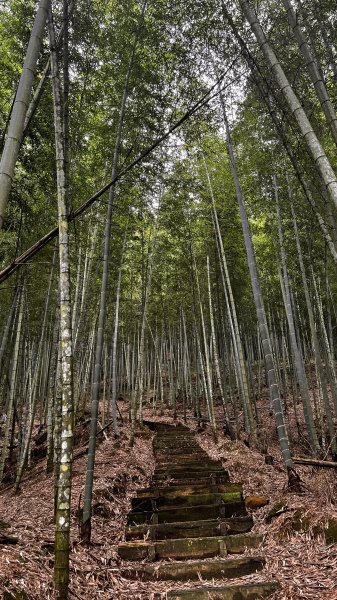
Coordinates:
216 355
263 86
331 54
260 310
320 159
113 378
234 325
12 389
34 388
8 325
64 475
86 526
298 361
16 125
138 389
313 69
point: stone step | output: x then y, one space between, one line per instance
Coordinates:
183 571
250 591
181 549
191 513
186 490
191 529
162 502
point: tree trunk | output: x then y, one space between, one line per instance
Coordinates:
64 475
320 159
260 310
86 526
16 125
314 72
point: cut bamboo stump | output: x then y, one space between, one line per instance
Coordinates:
193 515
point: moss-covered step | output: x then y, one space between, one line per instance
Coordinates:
189 513
185 454
186 490
177 448
205 547
192 465
182 571
194 478
174 433
179 453
161 502
188 473
174 439
190 529
250 591
180 459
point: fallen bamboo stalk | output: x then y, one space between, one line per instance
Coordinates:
311 462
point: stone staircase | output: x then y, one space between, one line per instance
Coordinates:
189 515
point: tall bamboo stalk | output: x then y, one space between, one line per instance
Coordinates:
64 474
260 310
21 103
86 526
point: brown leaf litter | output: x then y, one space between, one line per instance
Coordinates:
299 559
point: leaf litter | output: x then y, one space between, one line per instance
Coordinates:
294 546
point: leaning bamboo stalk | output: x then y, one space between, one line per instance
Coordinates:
313 69
316 150
21 103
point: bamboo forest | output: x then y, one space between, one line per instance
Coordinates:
168 289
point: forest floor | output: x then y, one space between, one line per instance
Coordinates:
295 541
